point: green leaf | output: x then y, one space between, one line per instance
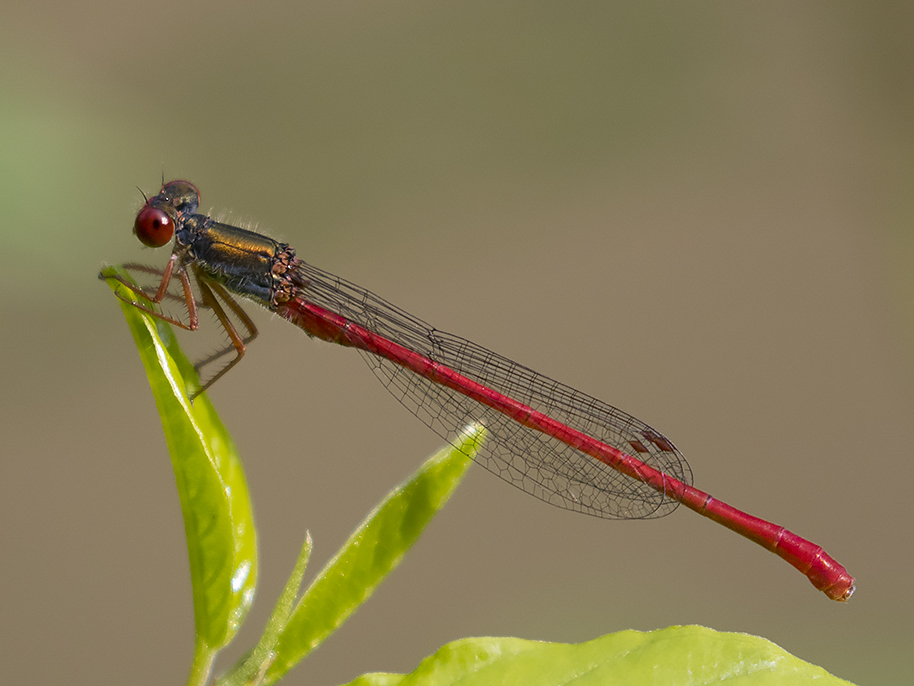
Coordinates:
677 656
252 667
372 552
218 520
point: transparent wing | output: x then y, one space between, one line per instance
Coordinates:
526 458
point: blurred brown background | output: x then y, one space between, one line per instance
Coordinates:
700 213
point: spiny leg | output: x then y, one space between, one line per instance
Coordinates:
174 267
209 290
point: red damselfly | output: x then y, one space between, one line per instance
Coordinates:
548 439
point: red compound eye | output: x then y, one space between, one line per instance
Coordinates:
153 227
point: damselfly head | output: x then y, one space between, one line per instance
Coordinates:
155 223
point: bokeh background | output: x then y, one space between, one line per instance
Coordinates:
699 212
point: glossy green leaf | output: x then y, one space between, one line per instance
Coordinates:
218 521
253 666
677 656
372 552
